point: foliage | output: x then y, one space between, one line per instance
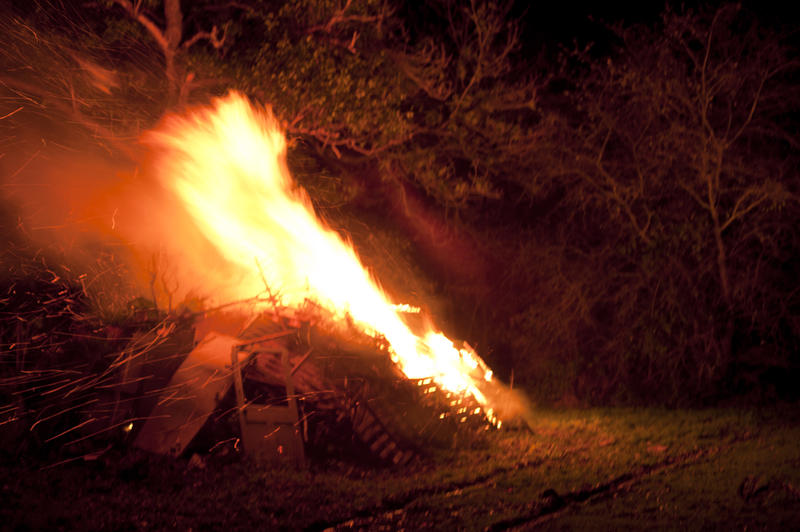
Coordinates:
677 179
639 204
443 110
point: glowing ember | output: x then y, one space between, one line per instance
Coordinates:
227 165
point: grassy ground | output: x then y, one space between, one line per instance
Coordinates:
580 469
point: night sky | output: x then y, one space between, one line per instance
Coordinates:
554 23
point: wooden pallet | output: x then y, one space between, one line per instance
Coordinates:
372 431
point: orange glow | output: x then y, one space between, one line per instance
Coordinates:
227 165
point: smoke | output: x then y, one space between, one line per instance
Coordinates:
512 406
75 190
104 218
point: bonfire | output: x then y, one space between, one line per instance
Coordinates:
294 337
303 296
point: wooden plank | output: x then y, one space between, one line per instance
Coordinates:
269 414
189 398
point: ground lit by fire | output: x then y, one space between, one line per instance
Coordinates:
226 165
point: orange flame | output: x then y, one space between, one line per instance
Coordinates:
227 165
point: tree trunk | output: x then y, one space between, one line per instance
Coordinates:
712 179
722 259
173 33
723 340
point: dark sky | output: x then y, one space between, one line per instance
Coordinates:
555 21
566 20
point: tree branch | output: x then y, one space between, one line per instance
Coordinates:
212 37
336 141
340 17
431 59
144 20
736 214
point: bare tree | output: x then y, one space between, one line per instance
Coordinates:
676 163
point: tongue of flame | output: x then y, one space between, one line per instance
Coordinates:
227 166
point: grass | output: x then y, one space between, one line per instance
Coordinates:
580 469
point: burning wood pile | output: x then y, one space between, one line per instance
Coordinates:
293 374
324 343
351 351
